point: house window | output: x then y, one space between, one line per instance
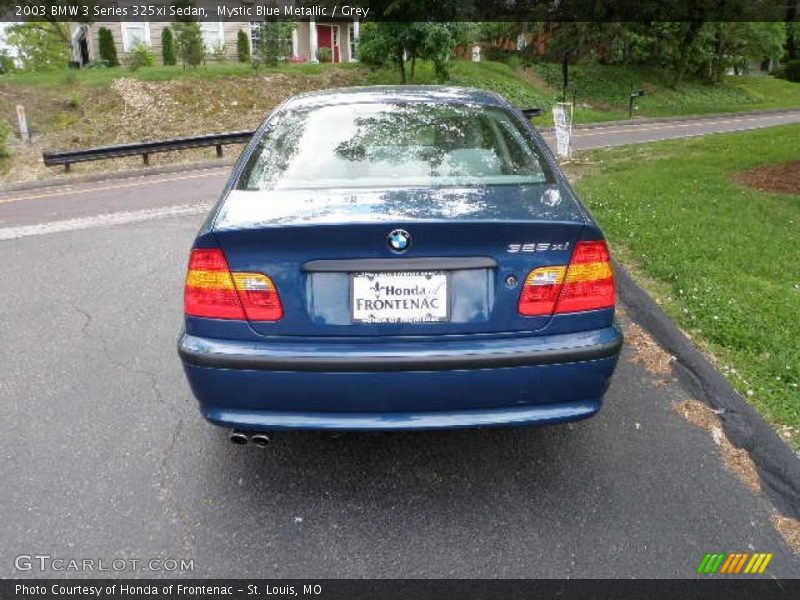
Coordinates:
255 34
213 34
134 34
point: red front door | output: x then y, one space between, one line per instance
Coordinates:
327 37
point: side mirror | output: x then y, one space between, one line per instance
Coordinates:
532 112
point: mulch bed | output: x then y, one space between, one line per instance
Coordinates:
781 179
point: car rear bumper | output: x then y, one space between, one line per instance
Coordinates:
514 380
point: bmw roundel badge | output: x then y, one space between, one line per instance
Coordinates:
399 240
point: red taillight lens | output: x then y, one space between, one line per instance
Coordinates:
209 290
589 284
586 284
214 292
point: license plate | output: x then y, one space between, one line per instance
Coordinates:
399 297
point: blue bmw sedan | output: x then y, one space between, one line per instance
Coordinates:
392 258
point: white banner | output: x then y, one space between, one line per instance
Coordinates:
563 124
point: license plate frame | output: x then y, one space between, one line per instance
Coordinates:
431 280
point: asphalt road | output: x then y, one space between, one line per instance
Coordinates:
105 455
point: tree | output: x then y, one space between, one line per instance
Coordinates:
242 47
168 46
108 50
190 43
189 36
6 62
736 43
40 46
792 31
272 41
400 43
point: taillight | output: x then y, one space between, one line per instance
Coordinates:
587 283
540 291
214 292
258 296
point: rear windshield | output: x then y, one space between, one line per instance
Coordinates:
393 145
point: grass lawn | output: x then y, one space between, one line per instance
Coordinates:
489 75
514 84
101 77
604 90
721 258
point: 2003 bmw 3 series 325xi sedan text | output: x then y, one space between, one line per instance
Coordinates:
398 258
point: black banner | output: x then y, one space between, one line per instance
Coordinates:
399 10
388 589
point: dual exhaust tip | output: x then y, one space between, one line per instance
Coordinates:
242 438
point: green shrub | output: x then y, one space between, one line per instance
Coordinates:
6 62
5 130
242 47
140 56
272 42
74 101
108 51
791 71
218 53
168 46
190 43
493 53
324 55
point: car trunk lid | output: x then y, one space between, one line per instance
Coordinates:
325 250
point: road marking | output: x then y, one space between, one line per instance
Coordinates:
613 130
138 183
668 139
764 121
117 218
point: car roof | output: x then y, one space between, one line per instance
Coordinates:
440 94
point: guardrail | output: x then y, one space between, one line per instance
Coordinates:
145 149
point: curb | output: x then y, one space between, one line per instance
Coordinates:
778 466
113 175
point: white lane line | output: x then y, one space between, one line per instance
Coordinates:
594 146
765 121
68 191
117 218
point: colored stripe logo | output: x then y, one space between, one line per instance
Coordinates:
734 563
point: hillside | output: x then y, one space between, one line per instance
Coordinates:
104 106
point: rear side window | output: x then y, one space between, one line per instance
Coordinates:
393 145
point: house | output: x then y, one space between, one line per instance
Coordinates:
341 37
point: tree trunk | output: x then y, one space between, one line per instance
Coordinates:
413 65
689 38
401 64
719 54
